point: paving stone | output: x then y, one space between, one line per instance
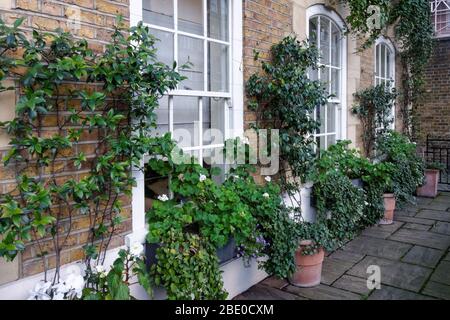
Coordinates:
391 293
332 269
275 282
394 273
414 220
423 238
447 257
382 231
438 205
377 247
423 256
437 290
323 292
441 227
353 284
442 199
434 214
260 292
347 256
406 212
416 226
442 273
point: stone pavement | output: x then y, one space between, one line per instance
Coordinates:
413 255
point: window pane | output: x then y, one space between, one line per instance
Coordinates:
325 78
377 61
313 30
335 46
218 17
331 139
382 60
388 66
320 116
218 57
331 117
335 82
213 120
158 12
214 158
162 114
190 50
190 16
185 121
320 142
164 46
325 40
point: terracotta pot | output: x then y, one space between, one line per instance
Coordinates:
429 189
309 267
389 207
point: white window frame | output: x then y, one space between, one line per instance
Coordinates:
377 79
234 98
341 114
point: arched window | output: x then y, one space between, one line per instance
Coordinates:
325 31
384 62
385 66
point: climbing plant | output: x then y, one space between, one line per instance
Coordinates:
374 107
109 97
413 31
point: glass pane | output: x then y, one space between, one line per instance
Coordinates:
320 116
162 114
325 78
320 142
331 139
335 46
377 61
214 158
383 58
190 50
335 82
164 46
331 117
388 65
325 40
218 17
218 59
213 120
155 185
158 12
313 30
185 121
313 74
190 16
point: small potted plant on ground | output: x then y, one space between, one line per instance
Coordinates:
389 207
429 189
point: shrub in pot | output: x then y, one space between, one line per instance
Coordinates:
429 189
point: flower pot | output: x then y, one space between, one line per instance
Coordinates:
429 189
389 207
304 198
309 267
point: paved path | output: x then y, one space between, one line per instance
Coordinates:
413 255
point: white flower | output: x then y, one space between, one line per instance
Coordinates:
366 203
245 140
163 198
268 178
39 291
235 176
202 178
76 284
181 177
99 268
136 249
266 195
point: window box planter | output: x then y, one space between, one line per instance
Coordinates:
226 253
429 189
389 207
309 267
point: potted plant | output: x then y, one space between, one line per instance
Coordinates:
429 189
308 265
389 207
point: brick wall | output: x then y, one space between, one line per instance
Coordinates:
96 18
434 109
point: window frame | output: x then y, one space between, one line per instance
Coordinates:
341 108
388 44
234 122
